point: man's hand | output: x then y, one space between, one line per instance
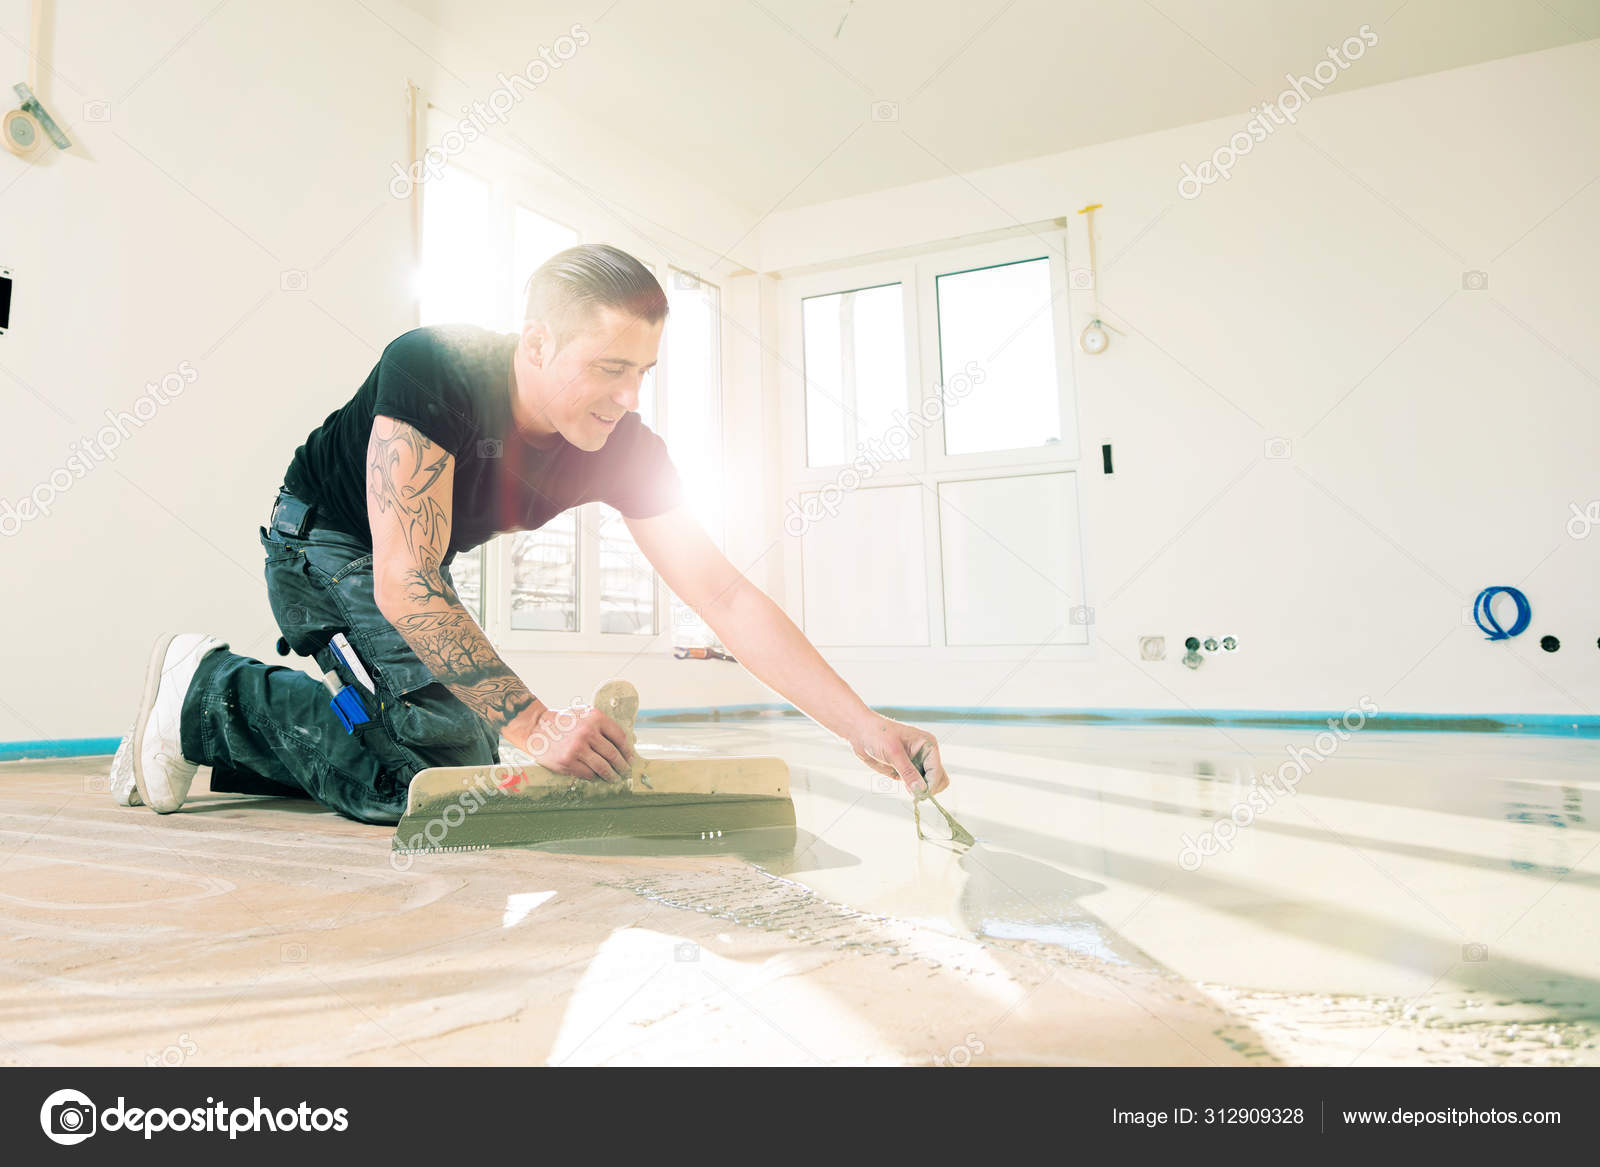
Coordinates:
580 741
897 750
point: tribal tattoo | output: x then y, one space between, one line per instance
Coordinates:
403 467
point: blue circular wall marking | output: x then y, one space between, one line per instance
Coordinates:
1483 613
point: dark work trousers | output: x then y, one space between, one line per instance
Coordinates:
268 729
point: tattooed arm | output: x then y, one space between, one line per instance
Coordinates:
410 488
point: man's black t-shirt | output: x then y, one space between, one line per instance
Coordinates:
454 384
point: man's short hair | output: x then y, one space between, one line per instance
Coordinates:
568 288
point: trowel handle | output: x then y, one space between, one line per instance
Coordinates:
619 701
916 760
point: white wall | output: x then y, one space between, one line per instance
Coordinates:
238 147
1438 435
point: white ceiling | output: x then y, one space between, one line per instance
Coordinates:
763 102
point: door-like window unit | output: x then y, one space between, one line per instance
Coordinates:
931 455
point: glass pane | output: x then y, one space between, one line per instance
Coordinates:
534 240
457 267
694 394
997 358
855 369
627 582
1017 538
466 574
544 576
694 417
888 605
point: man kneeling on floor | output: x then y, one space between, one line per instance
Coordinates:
457 435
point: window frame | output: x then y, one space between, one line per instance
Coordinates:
796 407
927 464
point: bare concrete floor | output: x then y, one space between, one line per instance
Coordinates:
270 931
1413 899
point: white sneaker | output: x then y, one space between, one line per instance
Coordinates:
124 790
153 750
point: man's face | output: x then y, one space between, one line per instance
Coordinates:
585 386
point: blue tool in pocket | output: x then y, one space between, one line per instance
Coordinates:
346 701
347 704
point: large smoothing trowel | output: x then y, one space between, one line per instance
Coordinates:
452 808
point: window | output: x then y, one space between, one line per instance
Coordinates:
931 439
544 563
629 589
579 583
544 576
461 262
534 240
627 581
456 250
456 257
693 358
996 321
855 369
693 345
466 574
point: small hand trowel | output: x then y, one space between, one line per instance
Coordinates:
958 833
452 808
